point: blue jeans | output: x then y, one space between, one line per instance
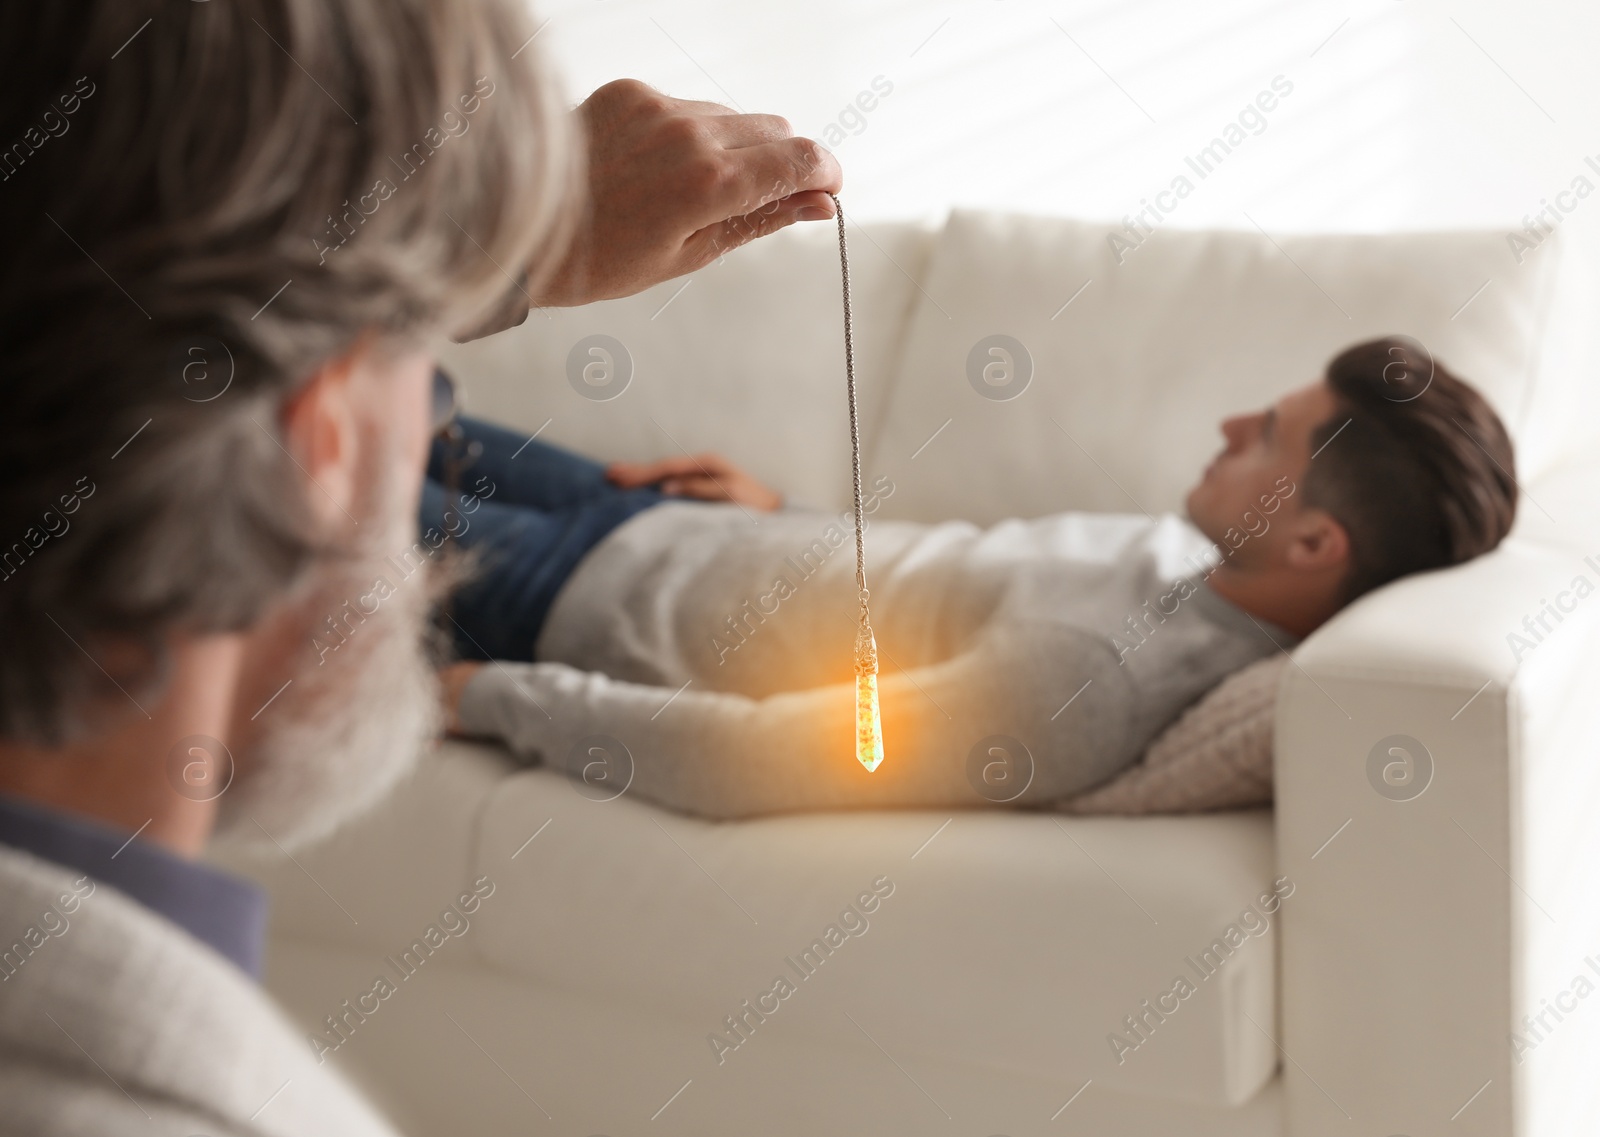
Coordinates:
535 511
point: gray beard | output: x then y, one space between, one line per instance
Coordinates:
350 725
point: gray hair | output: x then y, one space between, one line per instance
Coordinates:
203 203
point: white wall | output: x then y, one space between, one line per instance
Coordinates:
1405 113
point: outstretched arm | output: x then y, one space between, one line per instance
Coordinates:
724 755
672 185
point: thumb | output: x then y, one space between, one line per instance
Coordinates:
714 240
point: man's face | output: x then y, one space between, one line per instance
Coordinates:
1258 473
338 697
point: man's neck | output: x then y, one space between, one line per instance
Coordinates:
131 776
1297 606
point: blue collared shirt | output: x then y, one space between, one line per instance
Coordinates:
217 908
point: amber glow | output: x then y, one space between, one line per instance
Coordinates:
869 725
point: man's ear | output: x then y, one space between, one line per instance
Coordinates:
319 430
1318 542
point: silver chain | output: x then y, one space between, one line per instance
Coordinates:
866 647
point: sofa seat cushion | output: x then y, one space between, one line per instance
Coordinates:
1012 941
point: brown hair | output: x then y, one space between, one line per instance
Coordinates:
202 203
1414 464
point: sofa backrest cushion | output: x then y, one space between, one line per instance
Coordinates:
1120 360
745 357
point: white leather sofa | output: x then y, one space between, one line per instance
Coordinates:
1378 991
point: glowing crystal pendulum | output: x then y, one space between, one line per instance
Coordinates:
869 724
869 727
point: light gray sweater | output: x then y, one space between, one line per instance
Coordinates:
716 648
115 1021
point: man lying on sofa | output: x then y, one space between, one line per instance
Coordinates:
702 656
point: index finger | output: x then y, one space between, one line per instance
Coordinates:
770 171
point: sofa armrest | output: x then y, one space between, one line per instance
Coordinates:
1434 909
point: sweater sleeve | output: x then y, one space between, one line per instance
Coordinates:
948 732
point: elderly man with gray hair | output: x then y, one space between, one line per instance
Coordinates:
235 233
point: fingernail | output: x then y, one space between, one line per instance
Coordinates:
814 213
